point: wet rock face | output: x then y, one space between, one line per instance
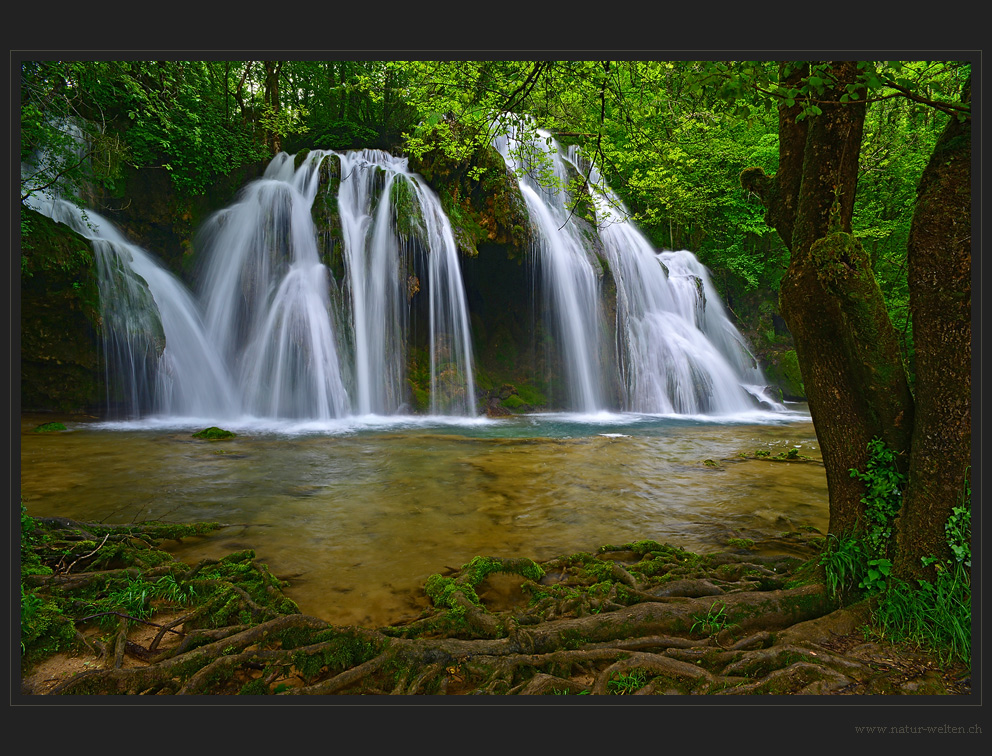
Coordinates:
481 197
154 216
61 368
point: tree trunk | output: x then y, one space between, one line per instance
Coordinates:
940 301
271 98
847 349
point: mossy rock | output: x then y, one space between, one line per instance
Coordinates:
480 195
61 364
213 433
514 402
50 428
783 370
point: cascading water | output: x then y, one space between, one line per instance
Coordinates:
380 278
372 260
268 295
274 335
568 267
157 355
267 303
452 381
677 350
268 343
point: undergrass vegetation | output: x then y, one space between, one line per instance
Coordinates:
935 614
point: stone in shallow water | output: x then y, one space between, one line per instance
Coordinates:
49 428
213 433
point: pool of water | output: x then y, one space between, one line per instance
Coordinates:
357 513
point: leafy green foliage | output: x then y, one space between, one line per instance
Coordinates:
863 558
883 498
958 528
842 562
876 575
178 115
338 134
934 613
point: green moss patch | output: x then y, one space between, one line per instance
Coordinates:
213 433
50 428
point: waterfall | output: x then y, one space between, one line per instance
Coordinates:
678 352
272 333
452 382
382 275
263 337
372 260
158 357
267 304
571 281
269 297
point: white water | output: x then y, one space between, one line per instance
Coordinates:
678 351
157 352
571 282
273 336
379 274
263 339
266 296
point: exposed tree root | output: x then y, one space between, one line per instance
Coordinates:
642 618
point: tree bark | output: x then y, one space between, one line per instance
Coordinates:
847 349
271 98
940 301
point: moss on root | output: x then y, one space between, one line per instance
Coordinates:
610 623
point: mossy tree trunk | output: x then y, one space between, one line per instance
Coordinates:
940 300
847 349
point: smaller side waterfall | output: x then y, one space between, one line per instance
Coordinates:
157 355
569 273
679 352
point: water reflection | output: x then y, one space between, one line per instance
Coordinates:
357 517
